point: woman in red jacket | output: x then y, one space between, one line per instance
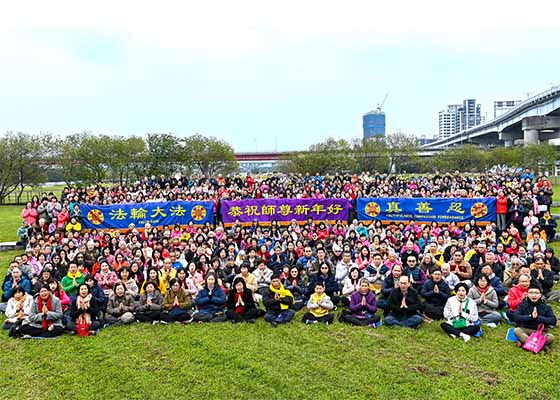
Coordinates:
517 294
501 210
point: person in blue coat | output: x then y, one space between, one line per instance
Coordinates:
14 280
210 301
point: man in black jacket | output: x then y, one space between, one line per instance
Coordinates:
545 278
532 312
405 305
277 301
436 292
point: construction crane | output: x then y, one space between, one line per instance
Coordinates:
379 105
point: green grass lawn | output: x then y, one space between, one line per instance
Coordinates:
10 221
260 362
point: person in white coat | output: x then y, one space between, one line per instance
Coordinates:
461 314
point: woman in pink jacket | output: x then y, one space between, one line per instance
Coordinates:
29 214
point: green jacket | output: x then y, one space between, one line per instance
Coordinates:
68 284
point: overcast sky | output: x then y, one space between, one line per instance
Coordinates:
263 75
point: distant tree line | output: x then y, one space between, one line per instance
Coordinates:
28 160
401 153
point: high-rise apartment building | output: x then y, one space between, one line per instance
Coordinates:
459 117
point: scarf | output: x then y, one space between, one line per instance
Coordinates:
482 291
82 303
240 309
282 292
45 324
77 275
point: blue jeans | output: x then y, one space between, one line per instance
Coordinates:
409 322
281 317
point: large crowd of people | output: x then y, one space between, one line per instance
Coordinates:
72 280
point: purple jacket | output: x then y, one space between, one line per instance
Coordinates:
362 312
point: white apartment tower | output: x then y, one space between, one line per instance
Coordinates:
459 117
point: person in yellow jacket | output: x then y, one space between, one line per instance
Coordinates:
319 307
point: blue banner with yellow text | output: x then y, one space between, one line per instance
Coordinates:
120 216
445 210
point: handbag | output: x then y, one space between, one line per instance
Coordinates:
82 327
460 322
536 341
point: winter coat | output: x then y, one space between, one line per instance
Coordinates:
211 301
524 317
412 302
35 318
363 311
157 302
327 281
113 307
431 297
490 304
93 310
454 309
182 296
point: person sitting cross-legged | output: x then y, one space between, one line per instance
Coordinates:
176 303
150 306
461 314
240 303
436 292
319 306
532 312
363 307
18 310
404 305
45 319
120 307
486 300
84 310
210 301
277 301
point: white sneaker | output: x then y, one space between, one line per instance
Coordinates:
452 336
465 337
492 325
